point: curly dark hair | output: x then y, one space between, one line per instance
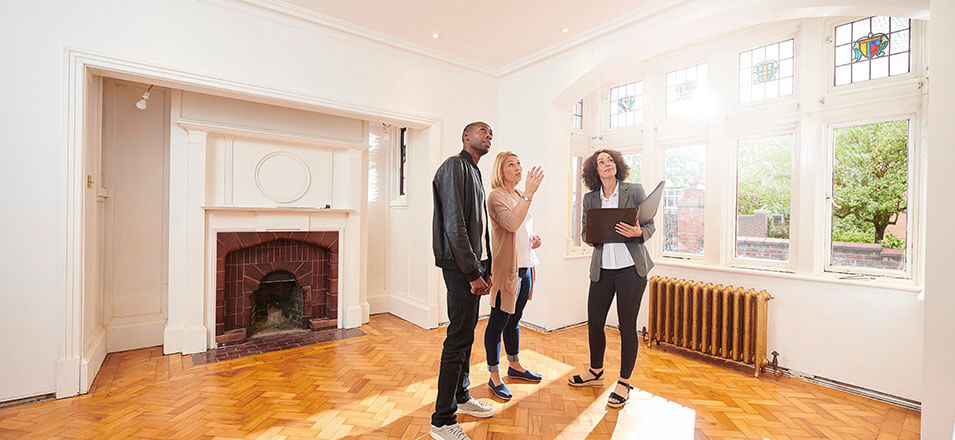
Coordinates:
589 173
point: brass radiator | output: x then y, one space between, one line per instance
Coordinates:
722 321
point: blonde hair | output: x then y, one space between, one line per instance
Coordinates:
497 177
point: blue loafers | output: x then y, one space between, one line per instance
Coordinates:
527 375
501 391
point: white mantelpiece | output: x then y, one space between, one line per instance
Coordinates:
233 179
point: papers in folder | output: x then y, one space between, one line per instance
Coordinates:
601 221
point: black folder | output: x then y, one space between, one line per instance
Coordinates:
601 221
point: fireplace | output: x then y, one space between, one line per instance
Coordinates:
269 282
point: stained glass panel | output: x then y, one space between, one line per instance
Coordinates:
683 87
626 104
863 47
763 71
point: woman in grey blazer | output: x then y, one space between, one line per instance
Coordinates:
616 269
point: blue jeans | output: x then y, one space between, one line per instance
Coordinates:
509 324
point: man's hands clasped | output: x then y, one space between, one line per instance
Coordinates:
480 287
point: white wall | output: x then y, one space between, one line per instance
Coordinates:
865 336
277 54
938 382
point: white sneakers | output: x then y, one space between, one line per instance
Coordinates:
454 432
448 432
475 408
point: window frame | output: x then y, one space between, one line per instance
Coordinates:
808 115
577 116
910 51
796 77
579 146
917 50
729 251
607 114
707 94
661 227
392 175
913 188
633 148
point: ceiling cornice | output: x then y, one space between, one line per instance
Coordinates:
323 21
328 22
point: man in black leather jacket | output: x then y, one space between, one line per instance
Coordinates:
462 250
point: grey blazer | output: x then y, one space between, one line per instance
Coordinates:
631 195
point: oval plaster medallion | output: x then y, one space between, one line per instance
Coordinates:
282 177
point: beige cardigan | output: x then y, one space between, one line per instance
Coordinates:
504 225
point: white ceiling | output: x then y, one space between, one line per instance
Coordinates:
491 34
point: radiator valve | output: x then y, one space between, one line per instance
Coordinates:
775 361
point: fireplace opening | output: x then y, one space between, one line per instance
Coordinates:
277 305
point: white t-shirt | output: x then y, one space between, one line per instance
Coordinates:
526 257
615 255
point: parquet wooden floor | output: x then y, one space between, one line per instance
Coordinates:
383 385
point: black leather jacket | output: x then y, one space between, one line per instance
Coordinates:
460 217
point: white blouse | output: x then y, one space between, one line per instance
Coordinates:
615 255
526 257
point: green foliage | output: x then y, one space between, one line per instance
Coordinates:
633 160
870 177
852 230
893 242
764 176
685 164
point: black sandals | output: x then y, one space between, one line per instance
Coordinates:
578 381
617 401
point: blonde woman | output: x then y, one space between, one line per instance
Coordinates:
512 266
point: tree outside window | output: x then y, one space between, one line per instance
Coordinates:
870 195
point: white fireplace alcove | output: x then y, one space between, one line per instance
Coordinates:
233 179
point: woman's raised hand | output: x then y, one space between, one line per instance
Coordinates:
534 178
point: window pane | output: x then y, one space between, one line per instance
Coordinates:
880 67
684 170
625 103
576 200
685 88
843 35
402 160
579 114
899 64
899 42
860 71
633 160
869 190
763 194
843 75
880 24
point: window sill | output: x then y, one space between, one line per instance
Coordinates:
874 281
578 253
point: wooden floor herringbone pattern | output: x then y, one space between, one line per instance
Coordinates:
383 385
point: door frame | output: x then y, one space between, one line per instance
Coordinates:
80 64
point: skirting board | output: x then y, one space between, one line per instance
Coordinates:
409 310
133 336
378 304
93 357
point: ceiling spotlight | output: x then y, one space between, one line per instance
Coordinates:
141 104
435 35
564 30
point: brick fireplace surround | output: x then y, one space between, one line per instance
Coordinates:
244 258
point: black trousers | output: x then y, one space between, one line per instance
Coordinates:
628 287
453 379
